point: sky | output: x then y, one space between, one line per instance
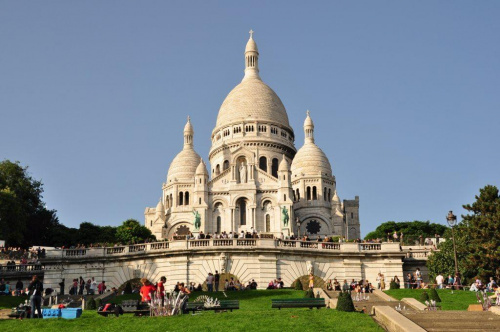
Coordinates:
405 96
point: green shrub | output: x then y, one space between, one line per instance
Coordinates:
424 296
309 294
345 303
433 295
127 289
90 304
394 285
298 285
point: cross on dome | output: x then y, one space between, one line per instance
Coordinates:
251 33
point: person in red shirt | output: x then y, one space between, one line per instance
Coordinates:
101 287
146 290
160 286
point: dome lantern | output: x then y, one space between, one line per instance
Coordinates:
308 129
251 59
188 134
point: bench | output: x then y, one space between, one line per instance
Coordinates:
224 305
129 307
298 303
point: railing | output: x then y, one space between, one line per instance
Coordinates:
370 246
76 252
159 245
115 250
330 246
199 243
309 245
136 248
223 243
246 242
418 254
20 268
250 243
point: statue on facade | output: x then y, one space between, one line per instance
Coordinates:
310 267
243 173
284 216
197 219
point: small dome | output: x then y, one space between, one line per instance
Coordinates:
251 46
308 122
183 167
159 207
201 169
310 160
253 100
188 128
284 165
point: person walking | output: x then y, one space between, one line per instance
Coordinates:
35 290
216 280
210 282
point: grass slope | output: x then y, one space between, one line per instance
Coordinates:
459 300
255 314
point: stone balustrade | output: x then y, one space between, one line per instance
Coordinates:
20 268
207 244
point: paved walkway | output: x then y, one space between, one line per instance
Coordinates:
450 320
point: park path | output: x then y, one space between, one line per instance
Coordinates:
451 320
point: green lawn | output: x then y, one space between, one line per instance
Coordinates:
459 300
255 314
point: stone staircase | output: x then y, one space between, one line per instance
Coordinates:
449 320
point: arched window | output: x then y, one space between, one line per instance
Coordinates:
218 225
329 195
324 193
181 198
284 197
217 170
263 163
168 202
308 193
315 194
274 168
298 195
294 196
268 223
199 200
243 211
151 223
186 198
171 200
226 165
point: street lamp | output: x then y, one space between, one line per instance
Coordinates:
452 221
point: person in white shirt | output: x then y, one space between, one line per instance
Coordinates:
439 281
93 286
242 235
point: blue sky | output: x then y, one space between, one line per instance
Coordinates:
405 95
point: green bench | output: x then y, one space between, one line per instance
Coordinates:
224 305
298 303
129 307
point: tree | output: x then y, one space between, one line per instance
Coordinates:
131 231
411 230
24 219
476 238
344 303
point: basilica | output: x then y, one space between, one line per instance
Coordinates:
258 181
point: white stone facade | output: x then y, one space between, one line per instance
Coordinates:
255 173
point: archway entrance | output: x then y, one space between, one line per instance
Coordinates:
222 281
183 230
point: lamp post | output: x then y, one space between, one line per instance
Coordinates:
452 221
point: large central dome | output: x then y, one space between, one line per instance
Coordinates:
252 100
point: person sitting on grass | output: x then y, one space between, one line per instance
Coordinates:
146 290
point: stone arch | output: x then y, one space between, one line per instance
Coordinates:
237 197
173 228
304 280
266 198
219 200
